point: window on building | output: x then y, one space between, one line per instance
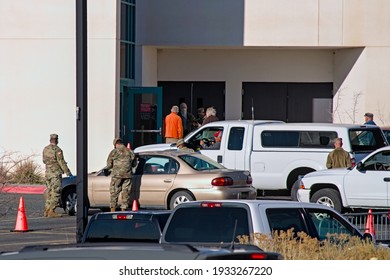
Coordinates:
127 49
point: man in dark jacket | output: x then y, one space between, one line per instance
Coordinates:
188 119
121 161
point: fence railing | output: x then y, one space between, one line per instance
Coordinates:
381 221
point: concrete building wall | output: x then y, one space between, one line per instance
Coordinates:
354 33
38 77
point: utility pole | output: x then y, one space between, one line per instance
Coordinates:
81 118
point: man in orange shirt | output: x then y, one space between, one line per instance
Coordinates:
173 126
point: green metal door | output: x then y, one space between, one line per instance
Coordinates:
141 115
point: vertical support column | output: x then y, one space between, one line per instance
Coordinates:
81 118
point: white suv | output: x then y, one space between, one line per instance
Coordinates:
365 186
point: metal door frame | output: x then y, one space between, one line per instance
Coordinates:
128 112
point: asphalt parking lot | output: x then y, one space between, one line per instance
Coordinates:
40 230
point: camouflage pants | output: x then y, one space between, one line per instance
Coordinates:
53 192
117 186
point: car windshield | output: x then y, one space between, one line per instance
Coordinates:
201 162
363 140
122 231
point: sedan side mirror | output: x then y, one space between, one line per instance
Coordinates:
359 166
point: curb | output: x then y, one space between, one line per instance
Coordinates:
23 189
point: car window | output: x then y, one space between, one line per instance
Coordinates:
298 139
327 222
211 225
366 139
386 132
236 138
283 219
158 165
206 134
122 230
379 161
200 163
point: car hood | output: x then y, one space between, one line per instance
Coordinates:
328 172
155 147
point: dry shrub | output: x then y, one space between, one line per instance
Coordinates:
16 169
26 172
300 246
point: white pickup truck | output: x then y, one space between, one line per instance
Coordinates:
276 153
366 186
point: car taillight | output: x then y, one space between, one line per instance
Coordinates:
122 217
222 181
353 160
249 180
211 204
258 256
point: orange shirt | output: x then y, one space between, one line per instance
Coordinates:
173 126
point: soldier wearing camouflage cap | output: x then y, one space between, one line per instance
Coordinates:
120 161
53 158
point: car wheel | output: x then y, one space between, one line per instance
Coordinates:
179 198
70 202
294 191
328 197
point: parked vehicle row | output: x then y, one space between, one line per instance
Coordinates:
277 153
166 179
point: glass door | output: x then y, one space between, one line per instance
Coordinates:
142 116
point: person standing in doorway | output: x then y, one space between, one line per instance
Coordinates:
187 119
211 116
201 116
53 158
338 158
369 119
120 161
173 127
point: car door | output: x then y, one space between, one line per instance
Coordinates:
154 179
368 183
99 189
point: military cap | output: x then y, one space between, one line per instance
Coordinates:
116 140
53 136
179 142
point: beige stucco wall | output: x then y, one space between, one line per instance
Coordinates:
38 77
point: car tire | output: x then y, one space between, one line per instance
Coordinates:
180 197
294 191
70 202
328 197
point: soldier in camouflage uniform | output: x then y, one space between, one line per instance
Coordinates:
181 145
121 160
53 158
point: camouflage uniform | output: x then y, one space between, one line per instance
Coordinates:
121 160
53 158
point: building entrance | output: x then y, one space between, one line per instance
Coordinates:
195 95
289 102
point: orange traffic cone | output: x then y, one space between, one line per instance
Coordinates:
370 224
21 219
129 146
135 205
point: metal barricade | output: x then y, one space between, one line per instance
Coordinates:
381 224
